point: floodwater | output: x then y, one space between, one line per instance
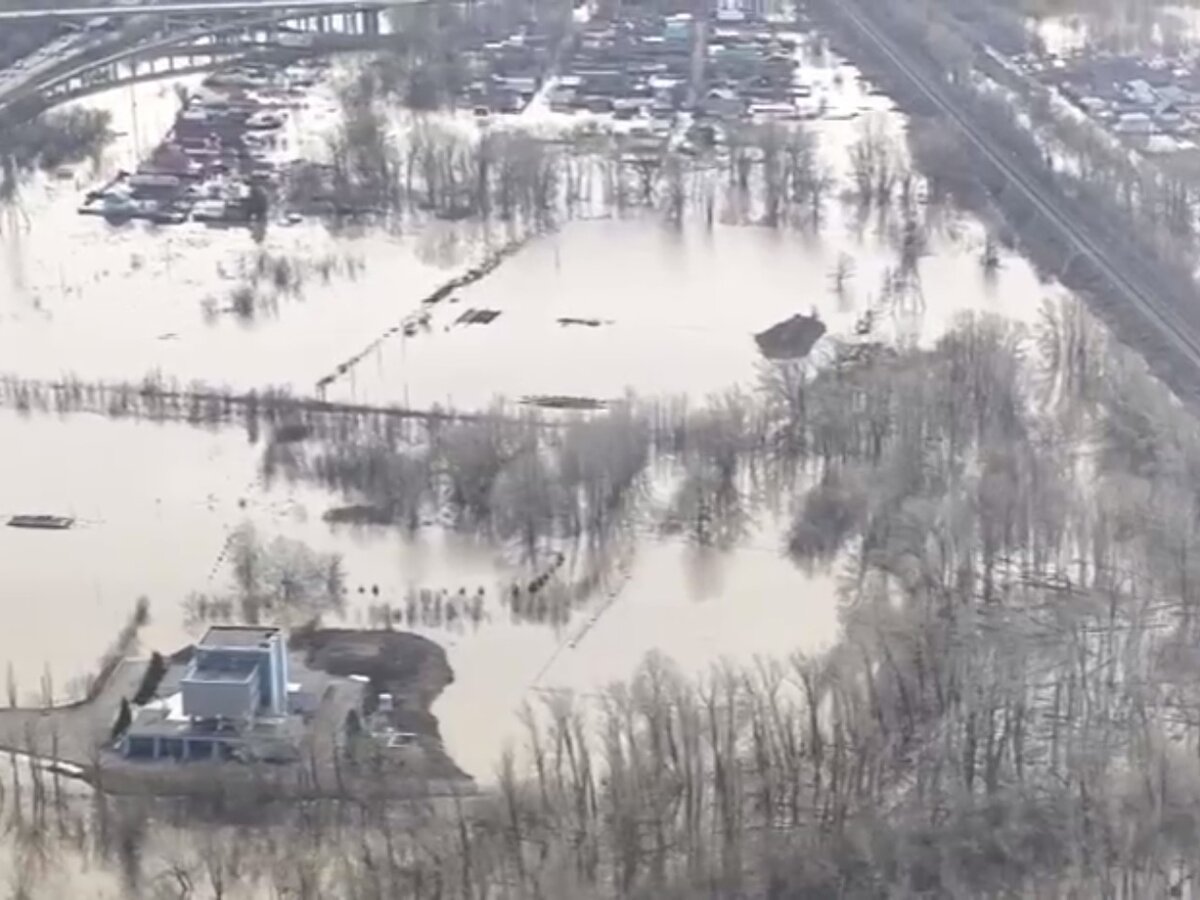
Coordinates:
150 290
677 308
153 505
156 502
677 311
697 606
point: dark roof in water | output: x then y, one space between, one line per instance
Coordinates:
790 339
41 521
237 635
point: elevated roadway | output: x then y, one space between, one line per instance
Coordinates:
199 7
1129 276
157 28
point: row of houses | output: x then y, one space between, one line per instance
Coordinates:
751 71
634 62
636 65
215 165
1131 96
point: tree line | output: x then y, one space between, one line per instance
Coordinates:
1008 711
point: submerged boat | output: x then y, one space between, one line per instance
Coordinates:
52 522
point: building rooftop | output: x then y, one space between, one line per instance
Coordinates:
237 636
241 673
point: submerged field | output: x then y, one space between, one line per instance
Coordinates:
910 614
156 505
167 298
657 310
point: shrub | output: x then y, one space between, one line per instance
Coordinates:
155 670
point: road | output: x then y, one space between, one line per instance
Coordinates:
198 6
30 73
1158 313
75 54
38 64
71 733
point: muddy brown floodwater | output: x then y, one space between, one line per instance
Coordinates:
594 309
667 311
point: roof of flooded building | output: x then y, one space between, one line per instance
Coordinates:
237 635
243 671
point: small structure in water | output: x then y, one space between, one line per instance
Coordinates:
792 338
562 401
54 523
478 317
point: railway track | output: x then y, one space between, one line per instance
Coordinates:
1158 313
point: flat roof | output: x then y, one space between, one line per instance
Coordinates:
237 635
237 675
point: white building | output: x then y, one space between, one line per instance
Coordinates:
235 686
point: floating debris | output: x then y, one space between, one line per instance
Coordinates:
588 323
359 514
561 401
292 432
469 277
478 317
40 521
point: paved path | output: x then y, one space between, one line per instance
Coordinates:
81 728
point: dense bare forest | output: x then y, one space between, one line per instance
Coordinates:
1012 514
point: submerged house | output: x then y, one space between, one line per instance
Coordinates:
233 693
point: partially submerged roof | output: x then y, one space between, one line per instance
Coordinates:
41 521
792 338
246 636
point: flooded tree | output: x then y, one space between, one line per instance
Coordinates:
365 162
49 141
874 163
524 501
281 581
842 271
1011 682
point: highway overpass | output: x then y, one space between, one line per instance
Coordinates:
95 57
200 7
